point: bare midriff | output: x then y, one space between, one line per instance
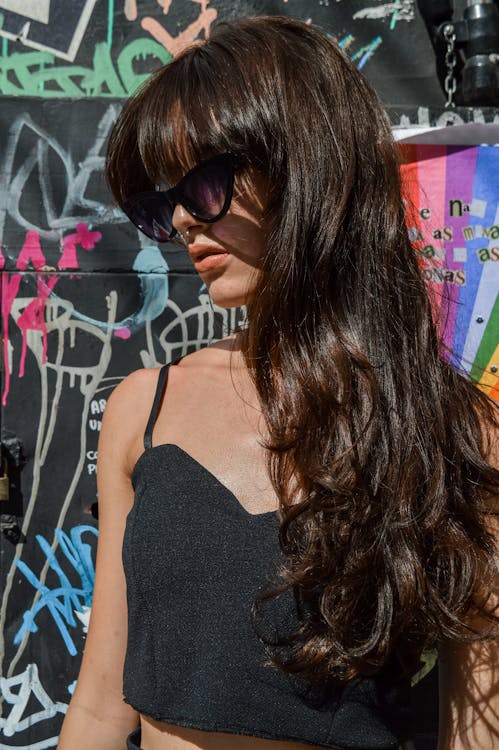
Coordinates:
158 735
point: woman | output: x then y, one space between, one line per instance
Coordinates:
314 494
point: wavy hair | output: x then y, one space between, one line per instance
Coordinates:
378 449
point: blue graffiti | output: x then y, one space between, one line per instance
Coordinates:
63 600
362 55
366 52
72 687
152 270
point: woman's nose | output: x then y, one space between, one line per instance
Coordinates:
183 221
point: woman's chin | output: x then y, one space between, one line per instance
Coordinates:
226 297
227 302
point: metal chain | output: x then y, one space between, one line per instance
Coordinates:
450 63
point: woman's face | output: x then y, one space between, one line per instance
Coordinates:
227 254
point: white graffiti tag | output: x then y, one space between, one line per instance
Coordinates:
29 689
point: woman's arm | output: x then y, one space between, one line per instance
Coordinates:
97 718
469 673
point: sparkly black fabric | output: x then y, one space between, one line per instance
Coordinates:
194 561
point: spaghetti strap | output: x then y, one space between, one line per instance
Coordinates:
160 388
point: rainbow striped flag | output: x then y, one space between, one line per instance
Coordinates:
452 195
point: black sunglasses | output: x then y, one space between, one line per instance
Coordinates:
205 192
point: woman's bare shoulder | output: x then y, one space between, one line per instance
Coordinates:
126 415
129 405
132 395
220 355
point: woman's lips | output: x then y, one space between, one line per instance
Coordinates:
205 260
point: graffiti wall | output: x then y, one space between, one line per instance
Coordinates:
85 300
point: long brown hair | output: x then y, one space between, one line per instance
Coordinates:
377 446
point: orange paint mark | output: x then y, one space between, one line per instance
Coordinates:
130 10
494 392
165 4
176 44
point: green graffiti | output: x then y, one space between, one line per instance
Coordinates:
137 50
35 74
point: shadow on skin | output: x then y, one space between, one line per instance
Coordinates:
465 672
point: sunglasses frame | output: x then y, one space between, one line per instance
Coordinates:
174 195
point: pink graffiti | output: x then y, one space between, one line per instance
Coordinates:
176 44
31 251
83 237
32 318
123 333
10 288
2 259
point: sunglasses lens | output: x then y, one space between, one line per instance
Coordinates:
152 214
204 191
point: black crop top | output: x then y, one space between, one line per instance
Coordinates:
194 559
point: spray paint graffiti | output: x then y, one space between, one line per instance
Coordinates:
154 288
77 206
150 266
88 377
32 24
397 11
29 689
36 74
176 44
32 317
64 599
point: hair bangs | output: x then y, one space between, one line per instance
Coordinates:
201 104
186 117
